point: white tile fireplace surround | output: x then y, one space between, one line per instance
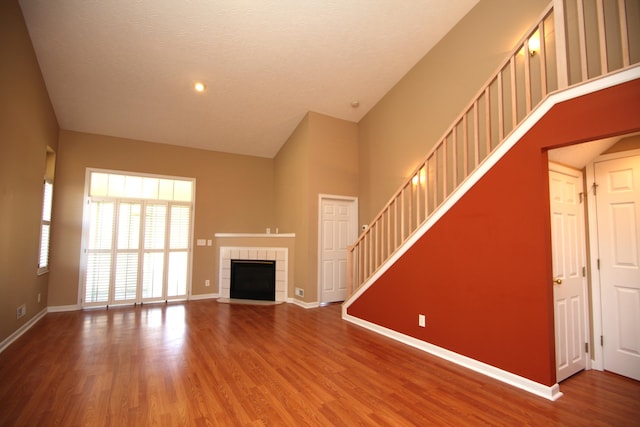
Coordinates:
279 255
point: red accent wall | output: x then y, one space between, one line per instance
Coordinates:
482 274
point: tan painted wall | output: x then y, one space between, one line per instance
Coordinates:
625 144
27 126
334 166
399 131
291 179
320 157
233 194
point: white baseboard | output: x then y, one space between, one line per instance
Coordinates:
21 330
288 300
303 304
203 296
550 393
61 308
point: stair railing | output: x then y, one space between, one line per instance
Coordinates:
572 42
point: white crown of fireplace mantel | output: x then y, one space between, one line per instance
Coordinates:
279 255
255 235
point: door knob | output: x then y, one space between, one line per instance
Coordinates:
557 281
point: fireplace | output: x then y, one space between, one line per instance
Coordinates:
253 279
279 255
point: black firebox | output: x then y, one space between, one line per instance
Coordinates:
253 279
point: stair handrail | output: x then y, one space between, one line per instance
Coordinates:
372 248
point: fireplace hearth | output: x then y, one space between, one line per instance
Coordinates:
253 279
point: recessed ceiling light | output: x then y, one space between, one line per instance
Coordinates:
199 87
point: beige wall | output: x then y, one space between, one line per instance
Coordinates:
334 166
291 180
27 126
320 157
233 194
625 144
400 130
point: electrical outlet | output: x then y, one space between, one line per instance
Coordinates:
21 311
207 283
299 292
422 321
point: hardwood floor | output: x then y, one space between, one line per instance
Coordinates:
204 363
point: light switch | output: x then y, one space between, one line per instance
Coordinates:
422 321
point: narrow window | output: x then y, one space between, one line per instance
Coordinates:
45 227
45 215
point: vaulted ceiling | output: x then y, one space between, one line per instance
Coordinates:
126 68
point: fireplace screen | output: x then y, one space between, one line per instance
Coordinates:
253 279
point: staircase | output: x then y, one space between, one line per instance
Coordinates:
573 42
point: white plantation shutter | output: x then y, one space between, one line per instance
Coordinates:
155 226
101 232
99 252
179 229
98 277
137 250
127 258
45 227
177 281
152 278
129 226
45 237
126 284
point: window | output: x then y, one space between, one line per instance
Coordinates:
137 239
45 227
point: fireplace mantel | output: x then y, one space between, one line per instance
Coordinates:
262 235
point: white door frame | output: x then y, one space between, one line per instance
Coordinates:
596 300
354 224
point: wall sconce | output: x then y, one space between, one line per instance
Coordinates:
199 87
419 178
533 44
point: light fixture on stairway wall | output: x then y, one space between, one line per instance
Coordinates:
533 44
419 178
199 87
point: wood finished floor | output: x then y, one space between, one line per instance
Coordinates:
203 363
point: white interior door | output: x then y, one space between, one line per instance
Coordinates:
568 252
338 229
618 212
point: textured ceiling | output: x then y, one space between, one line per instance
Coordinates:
125 68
